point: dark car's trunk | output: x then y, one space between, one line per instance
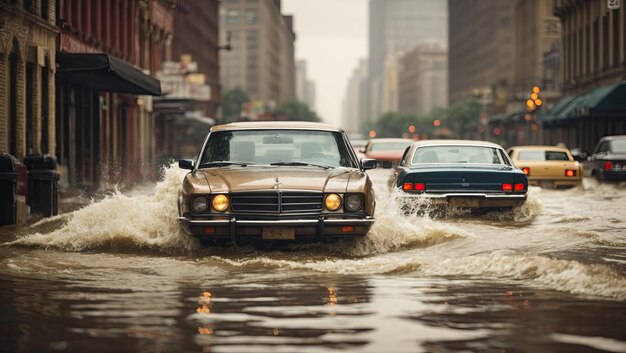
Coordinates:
463 178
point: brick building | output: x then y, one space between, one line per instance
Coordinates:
107 52
27 71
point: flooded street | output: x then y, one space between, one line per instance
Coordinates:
547 277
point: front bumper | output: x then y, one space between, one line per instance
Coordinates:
472 200
304 229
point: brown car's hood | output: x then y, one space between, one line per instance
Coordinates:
233 179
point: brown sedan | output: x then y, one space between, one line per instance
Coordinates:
276 181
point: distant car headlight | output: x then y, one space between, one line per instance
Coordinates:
199 204
333 202
220 203
354 202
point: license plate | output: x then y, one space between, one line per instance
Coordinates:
465 202
279 233
546 184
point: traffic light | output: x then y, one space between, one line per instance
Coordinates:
534 100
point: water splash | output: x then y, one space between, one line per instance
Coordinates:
121 222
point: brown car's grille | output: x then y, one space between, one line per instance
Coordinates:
268 202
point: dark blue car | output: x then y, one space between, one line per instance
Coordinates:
465 174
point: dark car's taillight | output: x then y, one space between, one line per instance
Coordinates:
519 187
608 165
507 187
413 186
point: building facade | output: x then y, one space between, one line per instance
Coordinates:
355 105
593 64
536 33
423 80
481 51
28 35
260 37
594 44
198 22
27 70
105 129
305 88
398 26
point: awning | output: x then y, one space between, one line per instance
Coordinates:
103 72
602 100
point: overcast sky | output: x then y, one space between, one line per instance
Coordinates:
331 35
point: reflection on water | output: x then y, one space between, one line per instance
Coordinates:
547 277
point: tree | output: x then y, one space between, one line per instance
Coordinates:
232 102
297 111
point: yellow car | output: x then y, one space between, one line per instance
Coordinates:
547 166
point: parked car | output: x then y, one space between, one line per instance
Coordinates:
464 174
387 151
608 160
547 166
276 181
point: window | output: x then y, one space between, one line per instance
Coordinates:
232 16
543 156
278 146
458 154
251 16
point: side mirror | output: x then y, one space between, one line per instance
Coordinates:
185 164
367 164
580 156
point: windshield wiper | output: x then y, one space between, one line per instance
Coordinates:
223 164
301 164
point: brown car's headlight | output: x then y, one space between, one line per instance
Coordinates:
199 204
220 203
332 202
353 202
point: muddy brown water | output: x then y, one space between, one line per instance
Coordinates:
119 275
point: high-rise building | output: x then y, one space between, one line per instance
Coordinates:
261 61
423 80
305 88
480 51
199 21
536 32
397 26
354 119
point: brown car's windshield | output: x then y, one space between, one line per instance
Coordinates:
323 148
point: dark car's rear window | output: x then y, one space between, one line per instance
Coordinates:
538 156
458 154
618 146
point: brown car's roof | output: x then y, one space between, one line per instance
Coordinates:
288 125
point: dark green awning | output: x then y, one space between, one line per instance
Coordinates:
103 72
602 100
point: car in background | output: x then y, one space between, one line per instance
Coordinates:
358 145
267 181
462 174
387 151
608 160
547 166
